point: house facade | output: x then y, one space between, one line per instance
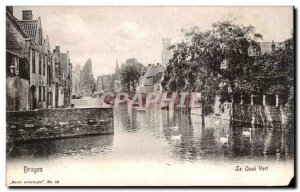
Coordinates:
35 77
63 77
151 79
17 65
38 59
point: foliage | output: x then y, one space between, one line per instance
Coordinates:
130 73
196 62
228 57
273 73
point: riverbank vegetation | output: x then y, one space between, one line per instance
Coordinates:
228 60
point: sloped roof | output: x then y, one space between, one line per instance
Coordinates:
15 23
30 28
13 45
153 70
16 53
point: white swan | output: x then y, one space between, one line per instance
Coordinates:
224 139
247 133
176 137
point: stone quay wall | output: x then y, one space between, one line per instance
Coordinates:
58 123
259 115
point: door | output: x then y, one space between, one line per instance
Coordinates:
33 97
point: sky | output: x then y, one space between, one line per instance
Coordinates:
106 34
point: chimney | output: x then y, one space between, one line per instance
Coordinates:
10 9
57 49
27 14
273 46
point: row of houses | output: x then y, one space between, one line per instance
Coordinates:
152 75
36 77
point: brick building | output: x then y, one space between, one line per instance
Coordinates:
151 79
62 76
38 59
35 78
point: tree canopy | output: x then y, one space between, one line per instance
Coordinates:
131 72
228 58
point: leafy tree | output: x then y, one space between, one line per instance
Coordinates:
130 73
196 62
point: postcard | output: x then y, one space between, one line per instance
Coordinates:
150 96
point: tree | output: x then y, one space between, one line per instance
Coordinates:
130 73
276 75
196 62
87 79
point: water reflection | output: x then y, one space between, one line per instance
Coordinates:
156 134
59 148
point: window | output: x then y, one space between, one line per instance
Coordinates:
40 93
49 75
33 61
23 69
44 94
40 64
44 66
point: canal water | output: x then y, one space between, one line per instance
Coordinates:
165 136
159 148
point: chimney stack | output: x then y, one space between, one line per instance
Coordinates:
57 49
10 9
27 14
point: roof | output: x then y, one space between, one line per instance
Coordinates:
14 21
16 53
30 28
15 45
153 70
266 47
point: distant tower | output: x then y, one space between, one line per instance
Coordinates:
117 80
166 53
117 70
